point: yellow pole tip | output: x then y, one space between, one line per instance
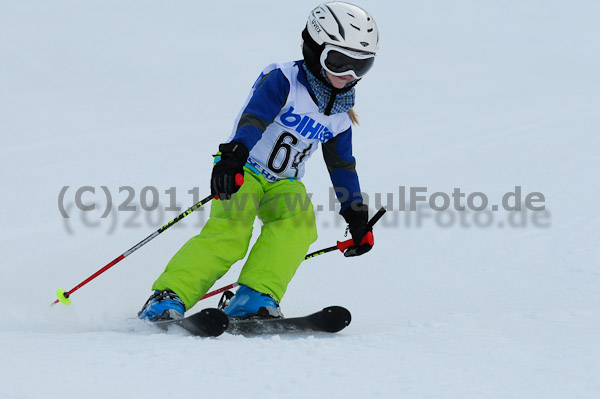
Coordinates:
63 296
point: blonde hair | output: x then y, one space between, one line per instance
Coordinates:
353 116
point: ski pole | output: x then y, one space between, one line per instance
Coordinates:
344 245
64 296
341 245
215 292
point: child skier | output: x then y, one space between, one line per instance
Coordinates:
291 108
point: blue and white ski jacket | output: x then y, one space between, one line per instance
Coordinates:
281 125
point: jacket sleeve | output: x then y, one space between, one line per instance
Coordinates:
269 96
341 165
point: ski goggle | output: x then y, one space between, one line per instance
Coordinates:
340 61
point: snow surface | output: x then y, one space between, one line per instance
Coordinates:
480 95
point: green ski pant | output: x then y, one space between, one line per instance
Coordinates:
288 230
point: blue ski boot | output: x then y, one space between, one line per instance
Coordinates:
248 303
162 305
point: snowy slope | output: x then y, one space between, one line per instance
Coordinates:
479 95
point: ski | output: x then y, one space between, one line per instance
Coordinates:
206 323
331 319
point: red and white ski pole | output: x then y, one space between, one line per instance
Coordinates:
215 292
64 295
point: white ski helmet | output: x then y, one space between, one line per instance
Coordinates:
343 25
341 38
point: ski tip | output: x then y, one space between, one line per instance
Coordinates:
337 318
63 296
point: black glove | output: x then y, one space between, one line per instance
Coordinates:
357 217
233 158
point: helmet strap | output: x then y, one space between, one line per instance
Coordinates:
334 93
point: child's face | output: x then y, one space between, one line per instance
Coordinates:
339 81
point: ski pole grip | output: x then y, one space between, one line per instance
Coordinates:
344 245
367 239
239 180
